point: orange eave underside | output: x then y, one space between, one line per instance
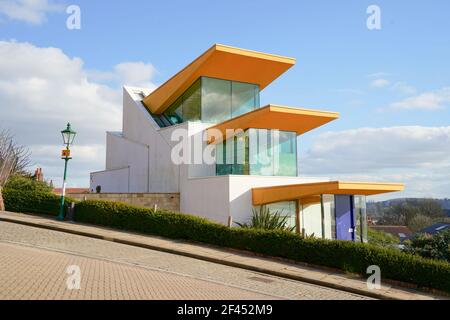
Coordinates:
221 62
307 190
273 117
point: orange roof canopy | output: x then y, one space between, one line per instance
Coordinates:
221 62
297 191
273 117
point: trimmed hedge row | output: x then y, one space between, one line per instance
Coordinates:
345 255
32 201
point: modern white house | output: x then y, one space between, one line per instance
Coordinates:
204 135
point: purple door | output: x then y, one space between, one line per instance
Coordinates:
344 217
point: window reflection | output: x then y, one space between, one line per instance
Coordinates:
329 222
216 100
243 98
191 102
213 100
360 217
286 209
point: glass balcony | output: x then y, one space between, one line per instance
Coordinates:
258 152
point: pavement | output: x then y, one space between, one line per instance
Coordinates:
36 274
314 282
35 267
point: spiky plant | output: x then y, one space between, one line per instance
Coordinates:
267 220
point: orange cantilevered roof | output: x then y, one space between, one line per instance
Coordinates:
273 117
297 191
221 62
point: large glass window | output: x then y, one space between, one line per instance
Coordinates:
273 152
232 155
261 152
329 220
216 100
286 209
186 107
285 155
192 102
213 100
174 113
243 97
360 218
258 152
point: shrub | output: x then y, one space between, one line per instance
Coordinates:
32 201
26 183
381 238
345 255
435 247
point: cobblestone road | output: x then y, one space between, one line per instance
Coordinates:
33 264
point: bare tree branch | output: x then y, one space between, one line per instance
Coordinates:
14 159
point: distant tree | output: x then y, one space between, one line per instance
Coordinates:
419 222
398 214
414 213
14 159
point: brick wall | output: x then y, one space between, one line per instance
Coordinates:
169 201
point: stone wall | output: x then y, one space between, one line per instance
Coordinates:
169 201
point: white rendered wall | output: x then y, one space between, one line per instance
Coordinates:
111 180
219 197
139 126
142 147
121 153
207 197
241 192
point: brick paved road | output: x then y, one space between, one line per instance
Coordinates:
33 265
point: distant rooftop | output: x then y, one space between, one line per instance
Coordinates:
436 228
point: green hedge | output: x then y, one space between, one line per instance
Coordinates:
345 255
32 201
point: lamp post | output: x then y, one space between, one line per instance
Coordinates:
68 136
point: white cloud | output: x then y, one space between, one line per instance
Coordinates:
135 73
433 100
418 156
132 73
31 11
378 75
379 83
41 89
403 88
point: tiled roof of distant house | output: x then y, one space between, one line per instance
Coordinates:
403 232
436 228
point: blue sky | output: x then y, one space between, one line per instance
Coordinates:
395 77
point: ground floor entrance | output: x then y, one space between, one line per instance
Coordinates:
327 210
327 216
